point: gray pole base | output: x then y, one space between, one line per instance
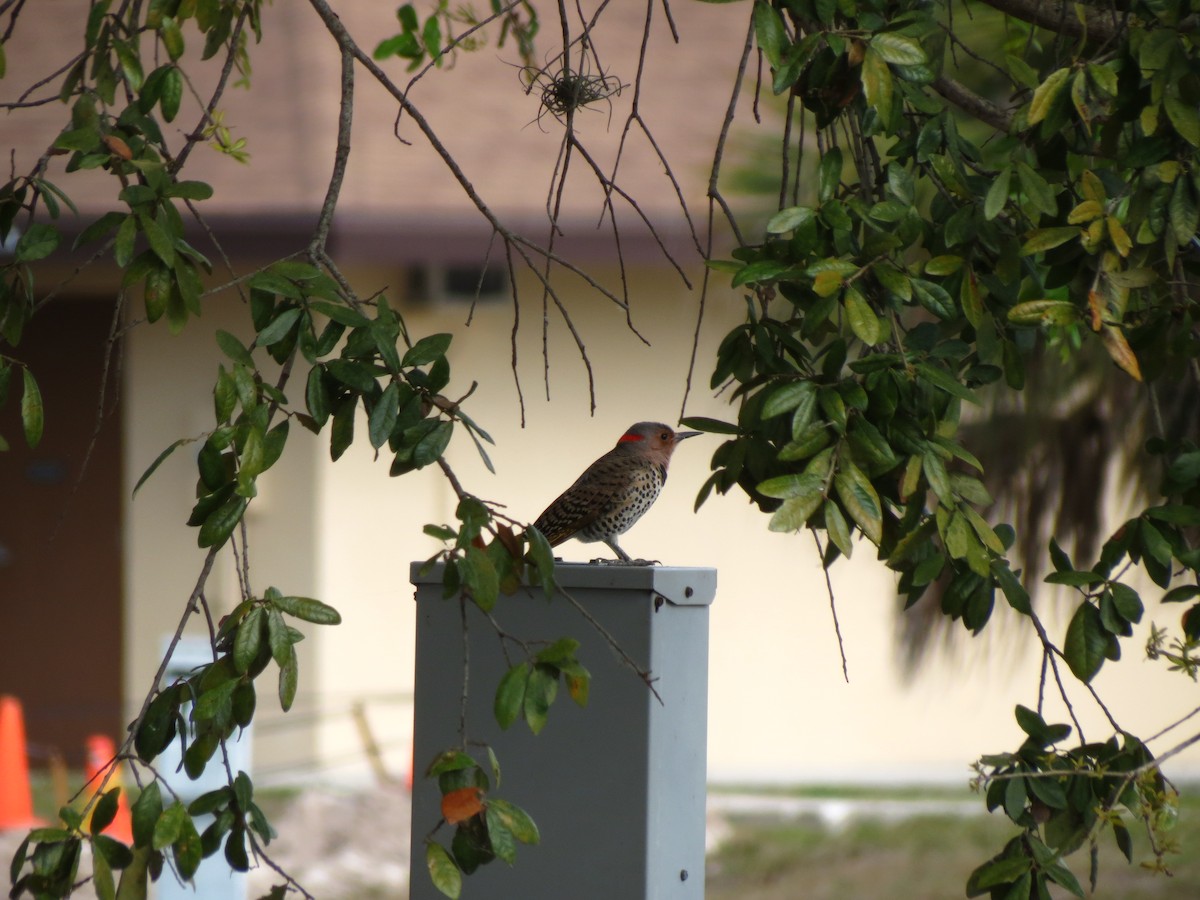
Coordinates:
616 789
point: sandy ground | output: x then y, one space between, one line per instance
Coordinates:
342 845
337 844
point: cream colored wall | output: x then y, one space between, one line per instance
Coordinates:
345 532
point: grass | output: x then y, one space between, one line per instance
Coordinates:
927 857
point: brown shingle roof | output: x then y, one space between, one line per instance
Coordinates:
478 107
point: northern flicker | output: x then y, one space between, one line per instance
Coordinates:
615 490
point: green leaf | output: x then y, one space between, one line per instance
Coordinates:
105 811
101 228
249 639
943 380
790 219
865 324
997 872
769 30
859 498
516 820
795 512
1175 595
1014 592
1042 239
38 242
510 694
1036 189
1030 721
1074 579
540 691
32 410
1183 211
836 528
1044 312
187 849
542 556
131 67
427 350
877 81
429 449
933 297
289 679
1014 798
158 726
450 761
479 574
829 173
1127 602
144 813
1086 643
384 415
579 682
442 870
898 49
159 240
1045 95
997 195
135 878
189 190
711 426
1049 790
279 327
309 610
1184 119
316 396
1124 840
158 461
220 523
102 877
233 348
1061 875
786 397
502 841
787 487
169 826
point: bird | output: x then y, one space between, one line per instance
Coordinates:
614 491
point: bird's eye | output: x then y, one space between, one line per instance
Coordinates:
666 436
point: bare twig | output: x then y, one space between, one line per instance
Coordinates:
643 674
715 199
342 152
218 91
837 628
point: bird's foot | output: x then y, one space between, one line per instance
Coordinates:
625 562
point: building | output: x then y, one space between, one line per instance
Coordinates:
124 567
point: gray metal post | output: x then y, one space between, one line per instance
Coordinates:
617 789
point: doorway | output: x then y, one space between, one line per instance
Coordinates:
61 533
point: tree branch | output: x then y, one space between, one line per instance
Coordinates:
969 102
1062 18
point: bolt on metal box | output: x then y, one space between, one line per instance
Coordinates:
617 789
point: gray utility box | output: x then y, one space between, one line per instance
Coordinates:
616 789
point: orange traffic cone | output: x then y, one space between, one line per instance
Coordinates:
100 753
16 796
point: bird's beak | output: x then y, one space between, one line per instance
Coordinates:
680 435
